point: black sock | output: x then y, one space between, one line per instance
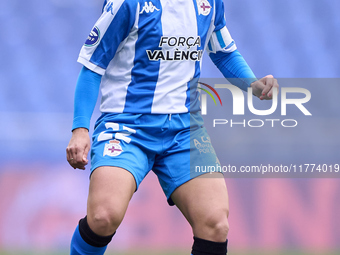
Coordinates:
205 247
92 238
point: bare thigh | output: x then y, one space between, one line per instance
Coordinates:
111 189
205 204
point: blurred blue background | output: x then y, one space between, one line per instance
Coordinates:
40 42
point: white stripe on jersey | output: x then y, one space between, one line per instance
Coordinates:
119 70
167 97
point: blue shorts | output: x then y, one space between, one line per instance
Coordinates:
171 145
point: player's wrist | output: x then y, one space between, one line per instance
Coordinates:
80 130
256 90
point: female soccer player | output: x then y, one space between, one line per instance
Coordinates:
146 58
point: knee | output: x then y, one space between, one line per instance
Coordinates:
220 229
104 221
215 227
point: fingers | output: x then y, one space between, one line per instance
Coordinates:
78 148
270 76
79 157
70 155
75 157
271 91
76 152
258 87
86 151
269 83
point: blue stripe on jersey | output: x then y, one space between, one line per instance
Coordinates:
219 17
220 39
230 45
105 2
203 24
145 72
209 46
117 31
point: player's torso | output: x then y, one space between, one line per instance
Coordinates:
153 66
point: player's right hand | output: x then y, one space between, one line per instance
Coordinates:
78 148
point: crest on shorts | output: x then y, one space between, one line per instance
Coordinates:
204 7
113 148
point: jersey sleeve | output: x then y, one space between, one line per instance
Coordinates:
219 16
108 34
234 68
221 40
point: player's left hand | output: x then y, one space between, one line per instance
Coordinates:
263 88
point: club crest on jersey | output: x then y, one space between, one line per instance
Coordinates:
148 7
113 148
93 38
204 7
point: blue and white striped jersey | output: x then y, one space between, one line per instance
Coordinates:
149 52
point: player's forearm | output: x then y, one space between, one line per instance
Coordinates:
85 98
234 68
